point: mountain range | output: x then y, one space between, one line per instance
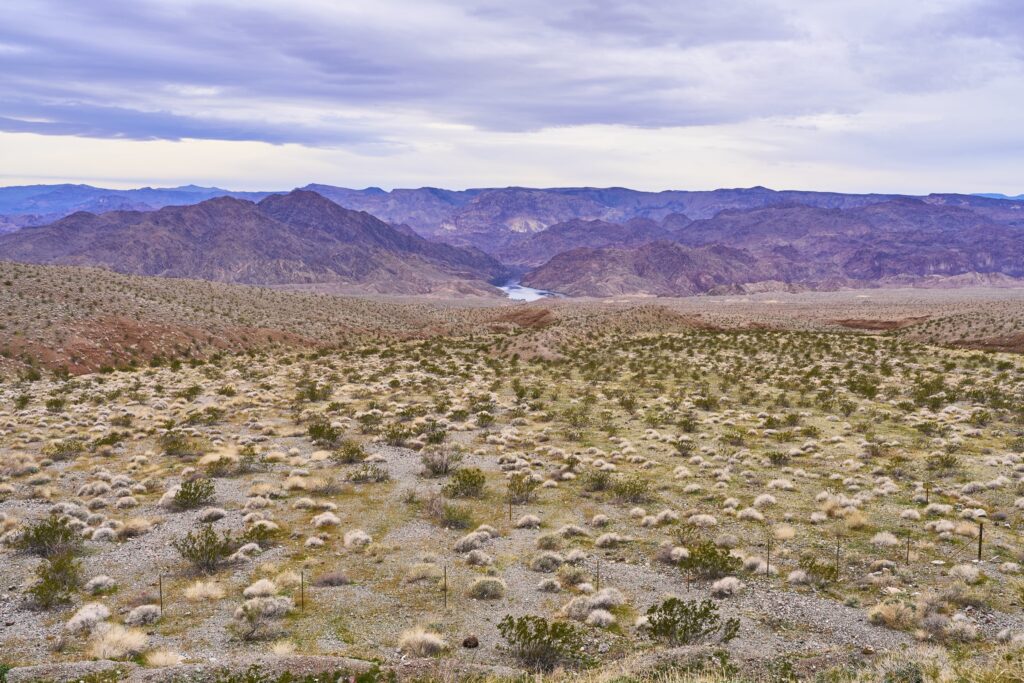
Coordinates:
299 238
577 241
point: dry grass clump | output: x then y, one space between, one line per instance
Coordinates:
487 588
418 642
118 642
203 591
162 658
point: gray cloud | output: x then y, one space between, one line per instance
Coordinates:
356 74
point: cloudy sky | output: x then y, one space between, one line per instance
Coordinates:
849 95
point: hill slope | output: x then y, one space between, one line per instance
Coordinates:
299 238
793 246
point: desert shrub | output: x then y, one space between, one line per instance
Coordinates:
419 642
348 452
541 644
487 588
685 622
255 614
205 549
313 392
819 572
440 462
210 415
66 449
263 535
322 433
708 561
456 516
632 489
369 473
193 493
466 483
49 537
178 444
521 488
595 480
333 578
57 578
396 434
118 642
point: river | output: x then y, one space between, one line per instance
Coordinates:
518 292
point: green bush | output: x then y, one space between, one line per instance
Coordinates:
466 483
55 405
707 561
595 480
323 434
632 489
396 434
686 622
541 644
193 493
65 449
456 516
521 488
819 572
50 537
369 473
178 444
348 452
204 548
57 578
441 461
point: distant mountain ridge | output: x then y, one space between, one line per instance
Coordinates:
903 241
586 241
300 238
40 204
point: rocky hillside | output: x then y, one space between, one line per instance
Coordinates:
298 238
40 204
792 246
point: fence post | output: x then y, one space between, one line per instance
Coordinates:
598 573
837 558
981 537
445 589
302 590
768 561
908 548
161 581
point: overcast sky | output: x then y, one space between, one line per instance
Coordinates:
850 95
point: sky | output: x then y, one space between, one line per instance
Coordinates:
907 96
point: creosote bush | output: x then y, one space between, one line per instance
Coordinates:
543 645
521 488
687 622
441 461
466 483
708 561
57 578
205 549
50 537
193 493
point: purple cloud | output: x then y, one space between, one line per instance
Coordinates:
342 75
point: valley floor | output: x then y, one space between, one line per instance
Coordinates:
822 468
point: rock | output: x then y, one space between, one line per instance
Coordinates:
471 642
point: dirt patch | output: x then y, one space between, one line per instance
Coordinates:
1008 343
529 317
880 325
